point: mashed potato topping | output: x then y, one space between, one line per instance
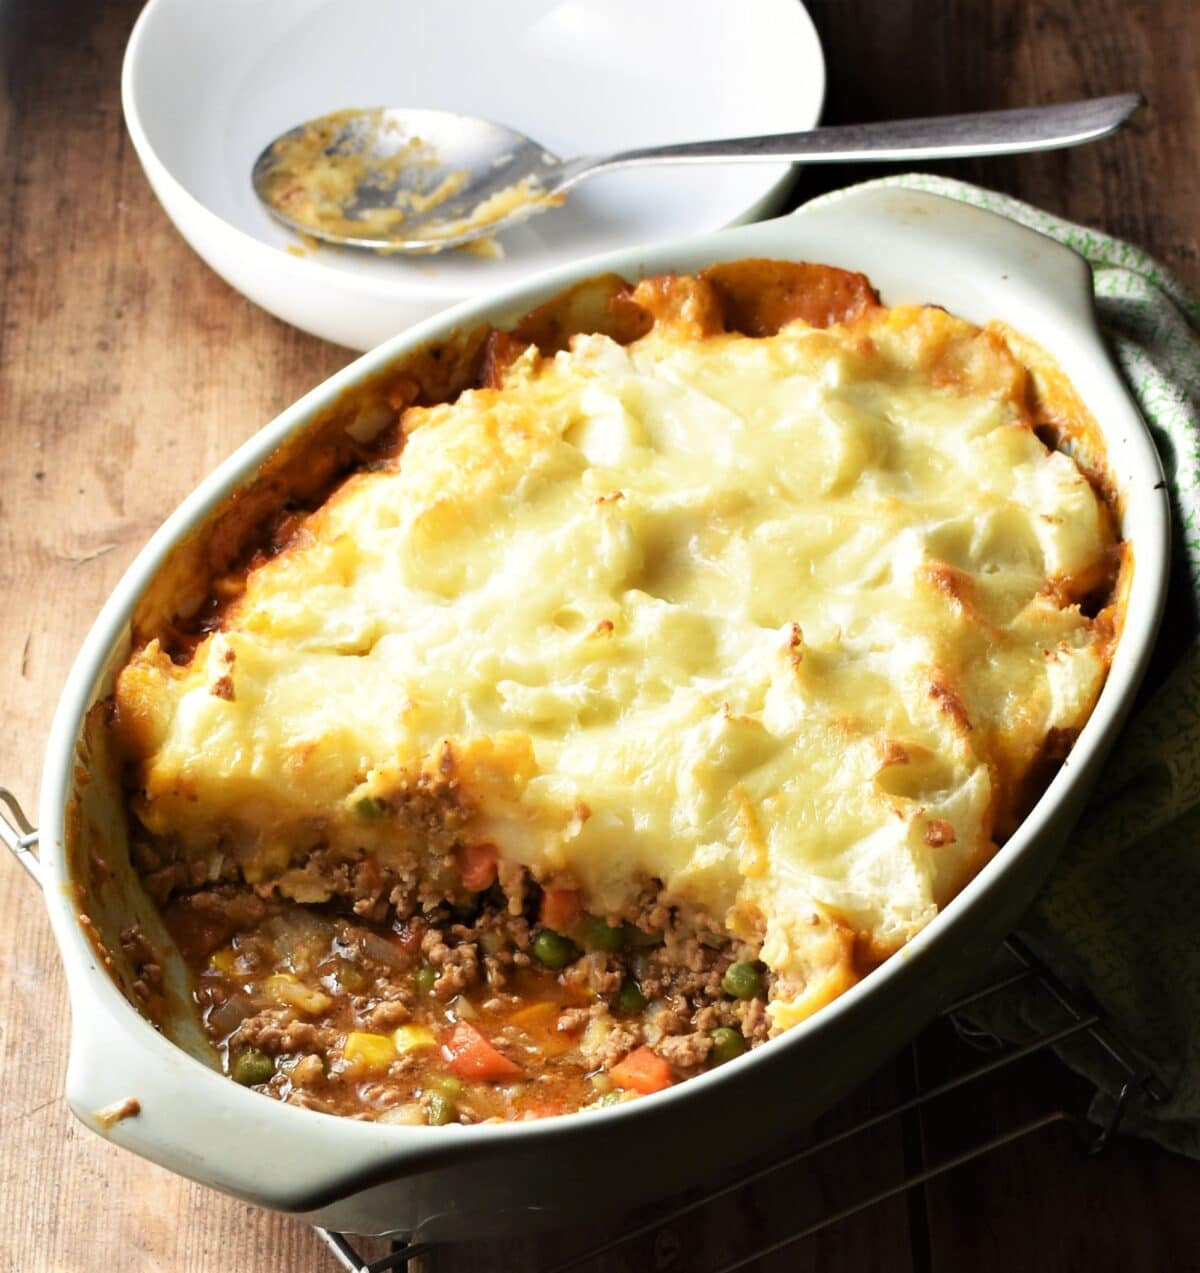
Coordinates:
785 622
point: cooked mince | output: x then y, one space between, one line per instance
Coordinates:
468 1011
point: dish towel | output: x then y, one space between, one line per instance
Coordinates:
1120 917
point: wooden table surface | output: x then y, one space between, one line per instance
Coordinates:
128 369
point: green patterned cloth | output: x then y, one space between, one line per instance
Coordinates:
1121 915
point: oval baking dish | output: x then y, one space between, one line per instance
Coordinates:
158 1096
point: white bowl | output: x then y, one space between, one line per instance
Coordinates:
206 85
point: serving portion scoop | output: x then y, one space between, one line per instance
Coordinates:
421 181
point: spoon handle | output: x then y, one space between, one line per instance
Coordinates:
1004 132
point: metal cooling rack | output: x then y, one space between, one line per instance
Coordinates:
1072 1018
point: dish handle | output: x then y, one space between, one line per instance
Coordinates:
19 834
899 232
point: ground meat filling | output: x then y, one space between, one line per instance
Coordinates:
511 1003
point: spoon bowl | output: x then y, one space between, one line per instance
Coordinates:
421 181
402 180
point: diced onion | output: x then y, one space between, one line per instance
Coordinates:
464 1009
383 952
409 1114
227 1016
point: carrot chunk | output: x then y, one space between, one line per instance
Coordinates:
642 1071
471 1056
561 909
477 866
539 1021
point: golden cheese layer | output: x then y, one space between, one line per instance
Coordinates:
783 622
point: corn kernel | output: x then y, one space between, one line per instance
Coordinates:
368 1053
413 1038
224 960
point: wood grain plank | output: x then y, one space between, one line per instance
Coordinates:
127 370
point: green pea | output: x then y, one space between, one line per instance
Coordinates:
351 977
726 1044
426 979
446 1084
742 981
597 935
252 1067
440 1110
629 999
370 807
553 949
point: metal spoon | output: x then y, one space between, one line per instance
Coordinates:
420 181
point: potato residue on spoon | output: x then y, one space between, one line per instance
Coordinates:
357 174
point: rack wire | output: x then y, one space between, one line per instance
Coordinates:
1068 1018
